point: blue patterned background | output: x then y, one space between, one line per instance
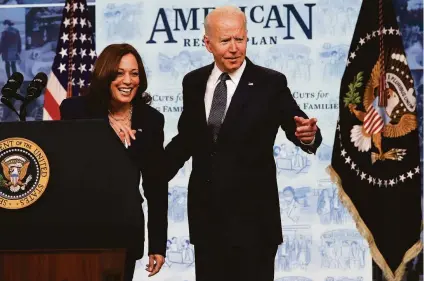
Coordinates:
321 242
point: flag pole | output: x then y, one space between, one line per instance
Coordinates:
70 57
382 101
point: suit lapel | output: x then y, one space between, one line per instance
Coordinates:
137 120
97 113
244 92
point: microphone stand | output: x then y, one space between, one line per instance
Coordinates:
23 111
8 103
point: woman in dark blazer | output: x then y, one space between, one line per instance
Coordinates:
117 94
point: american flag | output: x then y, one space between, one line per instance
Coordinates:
74 60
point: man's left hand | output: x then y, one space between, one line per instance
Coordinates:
305 129
155 264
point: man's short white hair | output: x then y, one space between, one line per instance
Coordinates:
223 11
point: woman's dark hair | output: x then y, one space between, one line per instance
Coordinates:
106 70
8 22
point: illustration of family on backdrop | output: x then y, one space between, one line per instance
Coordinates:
234 207
215 129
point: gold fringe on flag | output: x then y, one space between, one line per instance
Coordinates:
366 233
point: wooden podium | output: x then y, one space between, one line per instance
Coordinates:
89 215
62 265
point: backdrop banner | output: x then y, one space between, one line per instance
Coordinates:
308 41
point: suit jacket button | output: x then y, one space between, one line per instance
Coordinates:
208 181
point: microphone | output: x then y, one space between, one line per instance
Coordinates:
34 90
36 86
12 85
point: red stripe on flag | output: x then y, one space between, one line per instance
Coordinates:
377 126
369 110
373 122
371 118
51 106
375 118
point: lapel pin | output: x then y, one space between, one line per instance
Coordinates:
140 130
250 84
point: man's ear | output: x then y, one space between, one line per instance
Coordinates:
207 43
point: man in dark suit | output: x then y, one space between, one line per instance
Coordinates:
232 112
10 47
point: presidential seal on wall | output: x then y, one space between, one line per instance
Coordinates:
24 173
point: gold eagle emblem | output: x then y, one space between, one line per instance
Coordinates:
15 168
397 119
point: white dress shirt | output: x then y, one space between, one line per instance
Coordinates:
213 82
232 84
